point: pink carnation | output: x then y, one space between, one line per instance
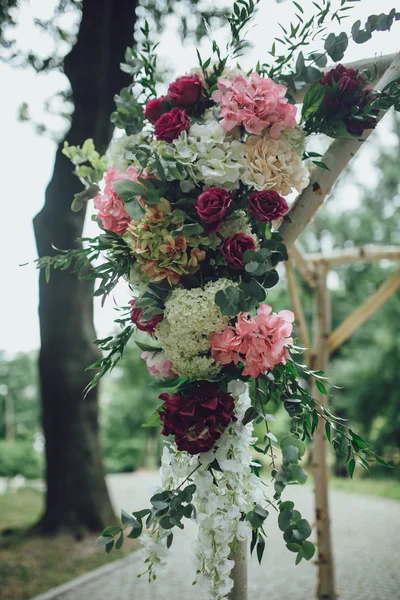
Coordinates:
256 103
112 212
260 342
158 365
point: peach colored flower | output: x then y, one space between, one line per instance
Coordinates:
112 212
260 342
256 103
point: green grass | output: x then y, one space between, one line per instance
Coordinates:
386 488
30 564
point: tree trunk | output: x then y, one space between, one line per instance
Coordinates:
77 496
326 571
239 573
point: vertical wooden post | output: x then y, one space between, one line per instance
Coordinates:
322 326
239 573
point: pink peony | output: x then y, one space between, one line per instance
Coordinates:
256 103
112 212
260 342
158 365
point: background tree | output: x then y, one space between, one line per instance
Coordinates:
77 496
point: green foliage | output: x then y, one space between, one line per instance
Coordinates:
90 168
18 457
131 402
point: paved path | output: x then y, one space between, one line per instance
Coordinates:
366 540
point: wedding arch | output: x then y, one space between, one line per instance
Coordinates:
193 214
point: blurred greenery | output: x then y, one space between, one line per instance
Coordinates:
129 399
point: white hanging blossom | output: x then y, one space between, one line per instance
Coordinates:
220 501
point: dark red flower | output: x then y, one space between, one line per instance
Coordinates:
211 206
186 90
170 124
198 417
155 108
346 89
267 205
136 318
234 247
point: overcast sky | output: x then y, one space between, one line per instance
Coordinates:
27 158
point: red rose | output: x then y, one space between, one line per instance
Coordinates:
186 90
155 108
136 318
170 124
211 207
350 91
234 247
198 417
267 206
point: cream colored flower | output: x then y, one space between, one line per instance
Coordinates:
190 317
273 165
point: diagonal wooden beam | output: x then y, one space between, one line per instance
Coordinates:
298 309
368 253
304 267
337 157
364 312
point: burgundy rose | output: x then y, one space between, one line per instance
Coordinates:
170 124
211 207
186 90
347 89
155 108
234 247
198 417
267 206
136 318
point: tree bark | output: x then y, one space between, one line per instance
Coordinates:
77 496
326 569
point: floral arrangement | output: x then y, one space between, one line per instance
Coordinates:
190 209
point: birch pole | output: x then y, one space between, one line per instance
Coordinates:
322 326
338 155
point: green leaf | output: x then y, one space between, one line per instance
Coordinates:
128 190
290 455
81 197
260 548
160 501
103 540
308 550
136 530
111 530
313 100
303 528
140 514
109 547
336 45
170 539
288 505
284 519
299 557
120 541
351 467
293 547
127 519
250 414
154 420
134 209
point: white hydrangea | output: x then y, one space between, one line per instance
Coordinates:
219 509
209 153
238 222
190 317
117 149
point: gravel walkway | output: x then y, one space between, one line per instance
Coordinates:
366 540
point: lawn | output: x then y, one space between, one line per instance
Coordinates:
386 488
31 565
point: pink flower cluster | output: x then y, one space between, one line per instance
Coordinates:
256 103
112 212
260 342
158 365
